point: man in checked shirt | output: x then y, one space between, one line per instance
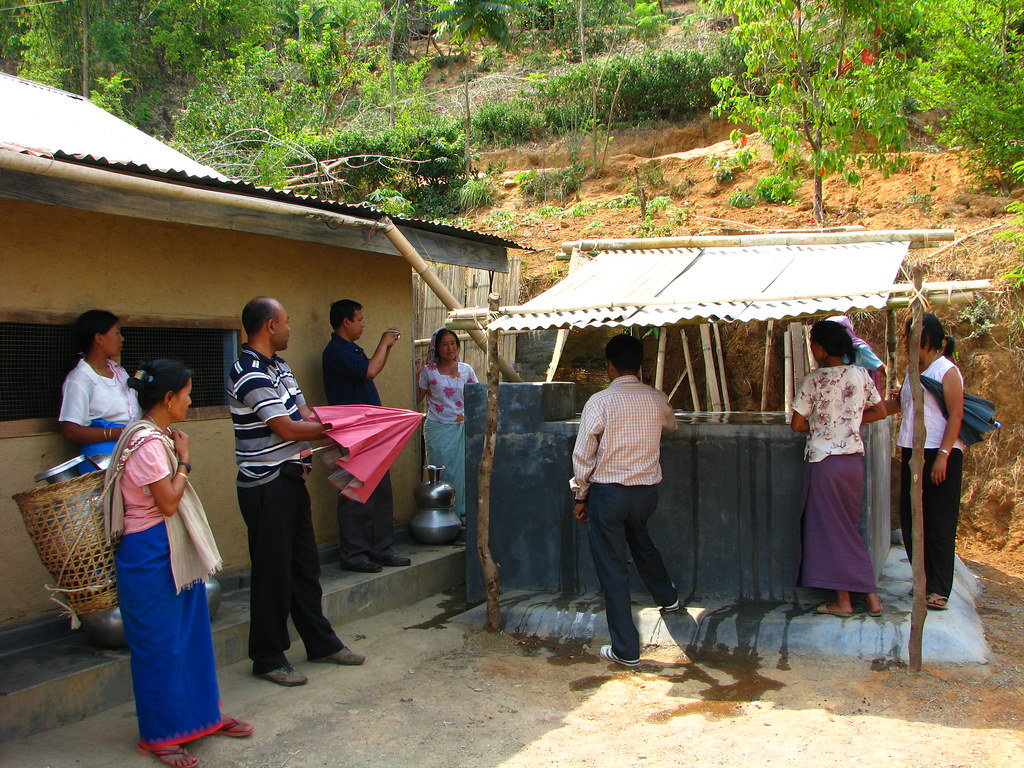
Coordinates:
617 465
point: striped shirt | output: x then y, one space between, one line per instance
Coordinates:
620 436
262 389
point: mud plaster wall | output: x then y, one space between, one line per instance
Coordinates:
62 260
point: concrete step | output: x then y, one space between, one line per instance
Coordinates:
761 628
44 685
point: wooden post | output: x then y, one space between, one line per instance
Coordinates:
721 368
659 371
483 503
709 369
767 365
787 379
694 393
890 349
919 612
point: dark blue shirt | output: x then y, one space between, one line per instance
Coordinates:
345 365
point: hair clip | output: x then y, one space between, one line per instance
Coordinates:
143 376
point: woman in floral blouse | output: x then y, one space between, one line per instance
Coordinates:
442 381
831 404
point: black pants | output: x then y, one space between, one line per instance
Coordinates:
285 572
366 530
941 516
616 521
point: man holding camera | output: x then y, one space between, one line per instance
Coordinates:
365 530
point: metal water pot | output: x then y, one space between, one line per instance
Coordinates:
435 521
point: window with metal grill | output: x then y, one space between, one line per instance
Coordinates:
38 355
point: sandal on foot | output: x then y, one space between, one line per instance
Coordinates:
168 755
236 729
936 602
824 609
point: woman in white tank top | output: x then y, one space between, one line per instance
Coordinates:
943 459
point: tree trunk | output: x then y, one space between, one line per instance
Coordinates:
84 10
391 62
919 612
469 121
819 204
483 503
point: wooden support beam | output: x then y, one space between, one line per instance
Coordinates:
659 371
916 237
723 378
767 364
694 393
787 378
711 380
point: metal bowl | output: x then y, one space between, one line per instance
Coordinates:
65 471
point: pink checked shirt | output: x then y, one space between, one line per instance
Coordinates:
620 436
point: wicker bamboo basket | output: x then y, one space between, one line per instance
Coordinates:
65 522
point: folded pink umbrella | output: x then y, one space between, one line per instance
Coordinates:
368 438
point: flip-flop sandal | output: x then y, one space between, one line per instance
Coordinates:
236 729
163 754
823 609
936 602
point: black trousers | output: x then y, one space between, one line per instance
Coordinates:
366 531
617 528
941 516
285 573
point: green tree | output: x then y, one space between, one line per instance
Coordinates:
975 71
825 82
468 22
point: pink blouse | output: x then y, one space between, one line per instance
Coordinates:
148 464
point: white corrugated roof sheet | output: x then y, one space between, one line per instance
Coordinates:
37 117
679 285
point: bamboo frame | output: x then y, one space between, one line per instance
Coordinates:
723 378
694 392
920 237
710 378
767 365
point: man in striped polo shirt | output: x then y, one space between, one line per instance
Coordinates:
617 466
273 428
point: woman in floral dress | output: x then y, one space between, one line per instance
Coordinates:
831 404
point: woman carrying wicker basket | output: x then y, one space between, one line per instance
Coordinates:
165 553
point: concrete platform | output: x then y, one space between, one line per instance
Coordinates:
46 684
954 635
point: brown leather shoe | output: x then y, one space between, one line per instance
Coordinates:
345 656
287 676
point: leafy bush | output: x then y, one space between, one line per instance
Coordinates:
651 86
391 201
551 184
742 198
476 194
505 123
776 188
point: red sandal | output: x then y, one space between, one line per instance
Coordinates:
166 755
236 729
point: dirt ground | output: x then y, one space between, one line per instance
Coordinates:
435 693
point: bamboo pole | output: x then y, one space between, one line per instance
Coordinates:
483 504
787 378
679 382
710 380
890 350
418 263
919 612
767 365
659 371
806 333
691 379
796 349
920 237
721 368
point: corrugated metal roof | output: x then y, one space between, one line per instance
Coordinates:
41 120
670 286
38 117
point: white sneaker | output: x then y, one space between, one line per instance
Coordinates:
670 608
607 653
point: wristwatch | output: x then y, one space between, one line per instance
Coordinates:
581 501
